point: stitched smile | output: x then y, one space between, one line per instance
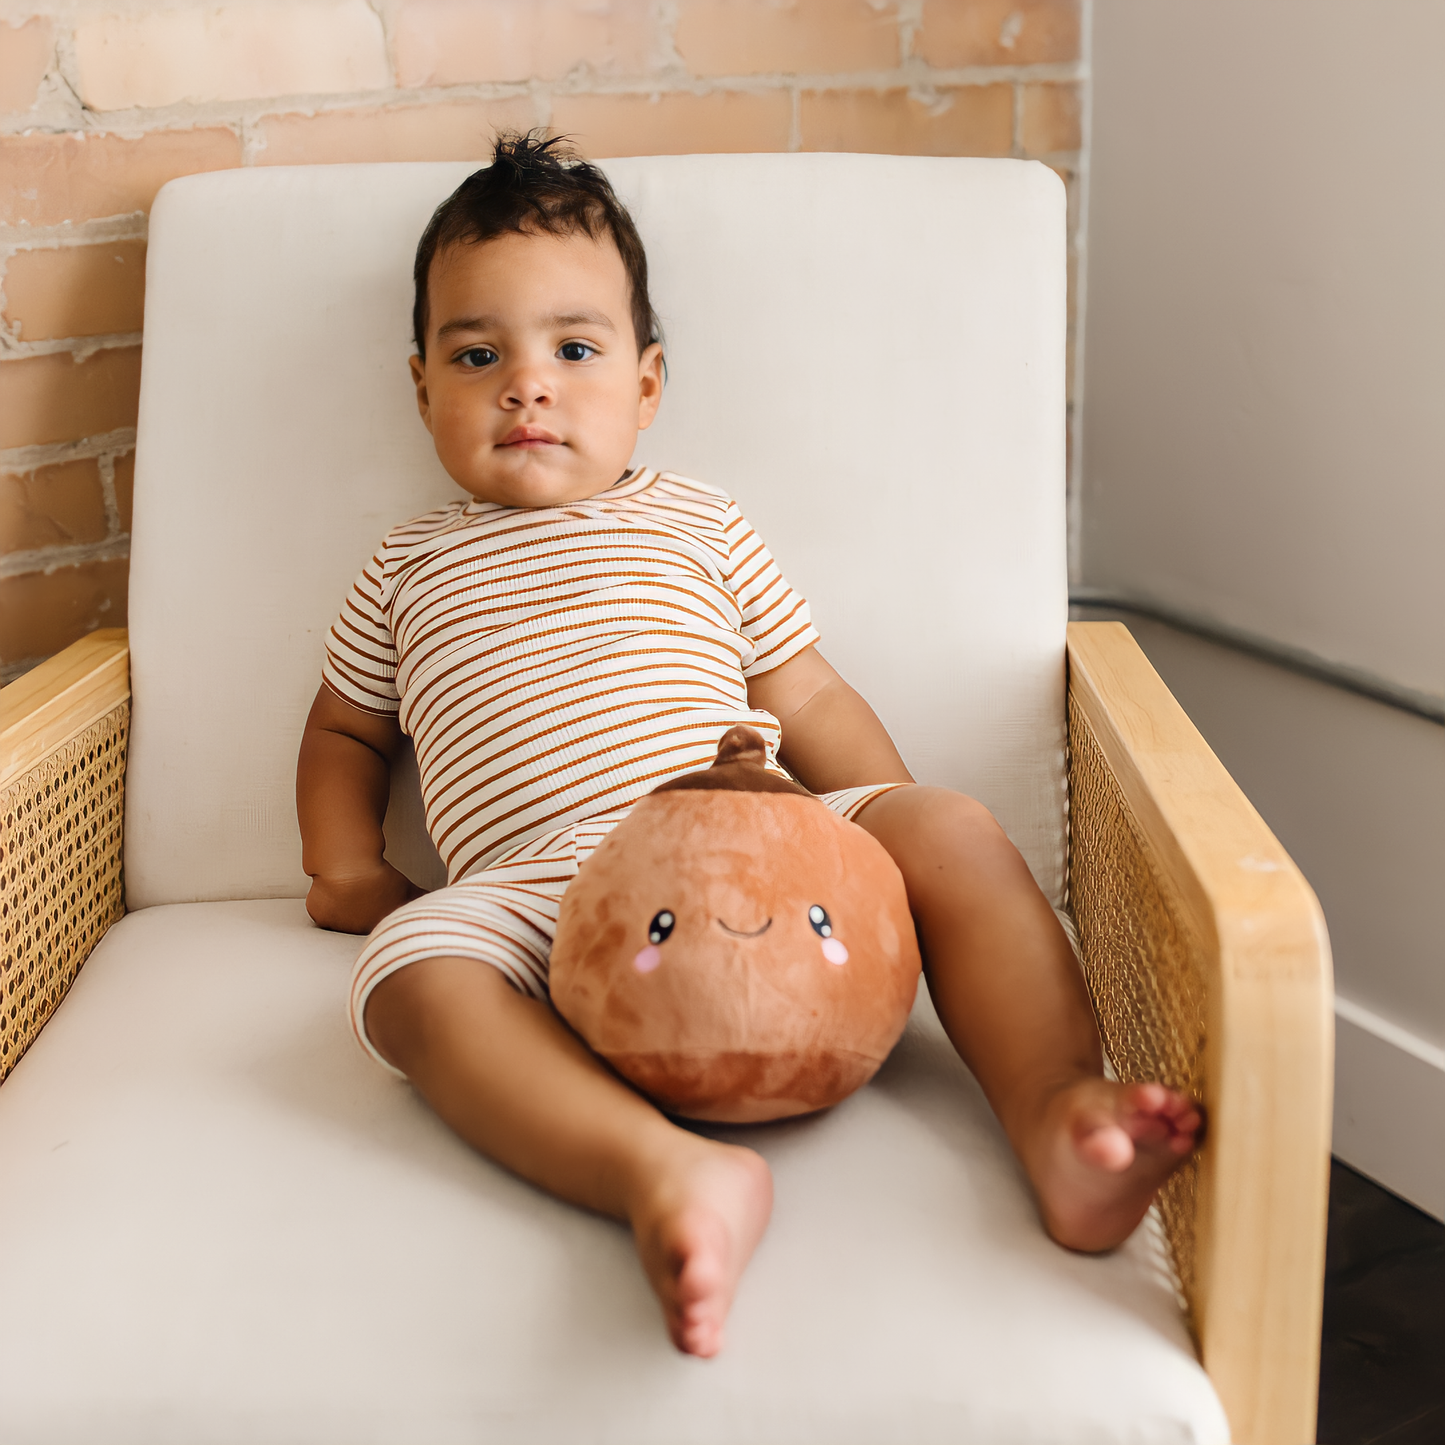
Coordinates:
739 933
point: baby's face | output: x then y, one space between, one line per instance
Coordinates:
532 387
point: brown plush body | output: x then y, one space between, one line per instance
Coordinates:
735 949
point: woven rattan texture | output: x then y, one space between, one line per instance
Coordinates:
1143 959
60 878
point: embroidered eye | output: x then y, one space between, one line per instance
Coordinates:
822 924
661 926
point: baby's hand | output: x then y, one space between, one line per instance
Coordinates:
357 903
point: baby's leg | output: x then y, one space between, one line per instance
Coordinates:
1011 996
509 1076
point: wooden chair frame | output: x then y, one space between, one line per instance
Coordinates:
1204 948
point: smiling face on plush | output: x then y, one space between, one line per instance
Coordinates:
735 949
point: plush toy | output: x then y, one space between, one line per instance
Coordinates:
734 948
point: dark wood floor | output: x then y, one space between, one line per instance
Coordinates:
1382 1364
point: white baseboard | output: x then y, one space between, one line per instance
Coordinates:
1390 1105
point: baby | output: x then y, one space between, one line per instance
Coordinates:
577 632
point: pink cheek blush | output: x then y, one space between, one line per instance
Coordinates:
834 951
648 959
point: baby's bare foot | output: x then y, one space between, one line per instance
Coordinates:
696 1229
1102 1152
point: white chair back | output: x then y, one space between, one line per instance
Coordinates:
867 351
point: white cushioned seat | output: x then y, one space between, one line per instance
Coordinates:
224 1223
219 1221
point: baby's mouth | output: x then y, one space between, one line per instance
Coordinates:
529 436
742 933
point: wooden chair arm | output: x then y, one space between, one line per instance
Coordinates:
1208 960
63 731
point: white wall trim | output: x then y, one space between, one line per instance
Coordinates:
1362 1017
1428 705
1390 1105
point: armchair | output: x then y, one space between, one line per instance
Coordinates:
224 1225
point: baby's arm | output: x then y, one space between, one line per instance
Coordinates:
343 780
831 738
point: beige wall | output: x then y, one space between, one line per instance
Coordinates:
1262 446
1264 439
102 101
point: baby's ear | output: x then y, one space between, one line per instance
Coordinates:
418 376
651 376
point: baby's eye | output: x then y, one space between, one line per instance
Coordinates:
661 926
576 351
822 924
475 357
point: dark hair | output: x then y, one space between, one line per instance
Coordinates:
534 184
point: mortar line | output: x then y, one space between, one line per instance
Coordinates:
105 465
96 231
664 33
137 122
46 560
81 348
48 454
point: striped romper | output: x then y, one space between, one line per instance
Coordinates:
553 665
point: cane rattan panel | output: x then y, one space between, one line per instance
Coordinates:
1143 959
60 874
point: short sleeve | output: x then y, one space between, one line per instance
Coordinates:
360 663
776 620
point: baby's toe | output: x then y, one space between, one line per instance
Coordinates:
1190 1122
1149 1098
1153 1107
1107 1147
1178 1107
698 1332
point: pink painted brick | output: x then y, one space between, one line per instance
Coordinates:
41 612
125 487
72 177
674 124
59 506
462 131
53 398
972 120
453 42
817 37
76 290
998 32
1052 119
230 52
26 53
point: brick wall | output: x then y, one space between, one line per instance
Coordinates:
103 101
